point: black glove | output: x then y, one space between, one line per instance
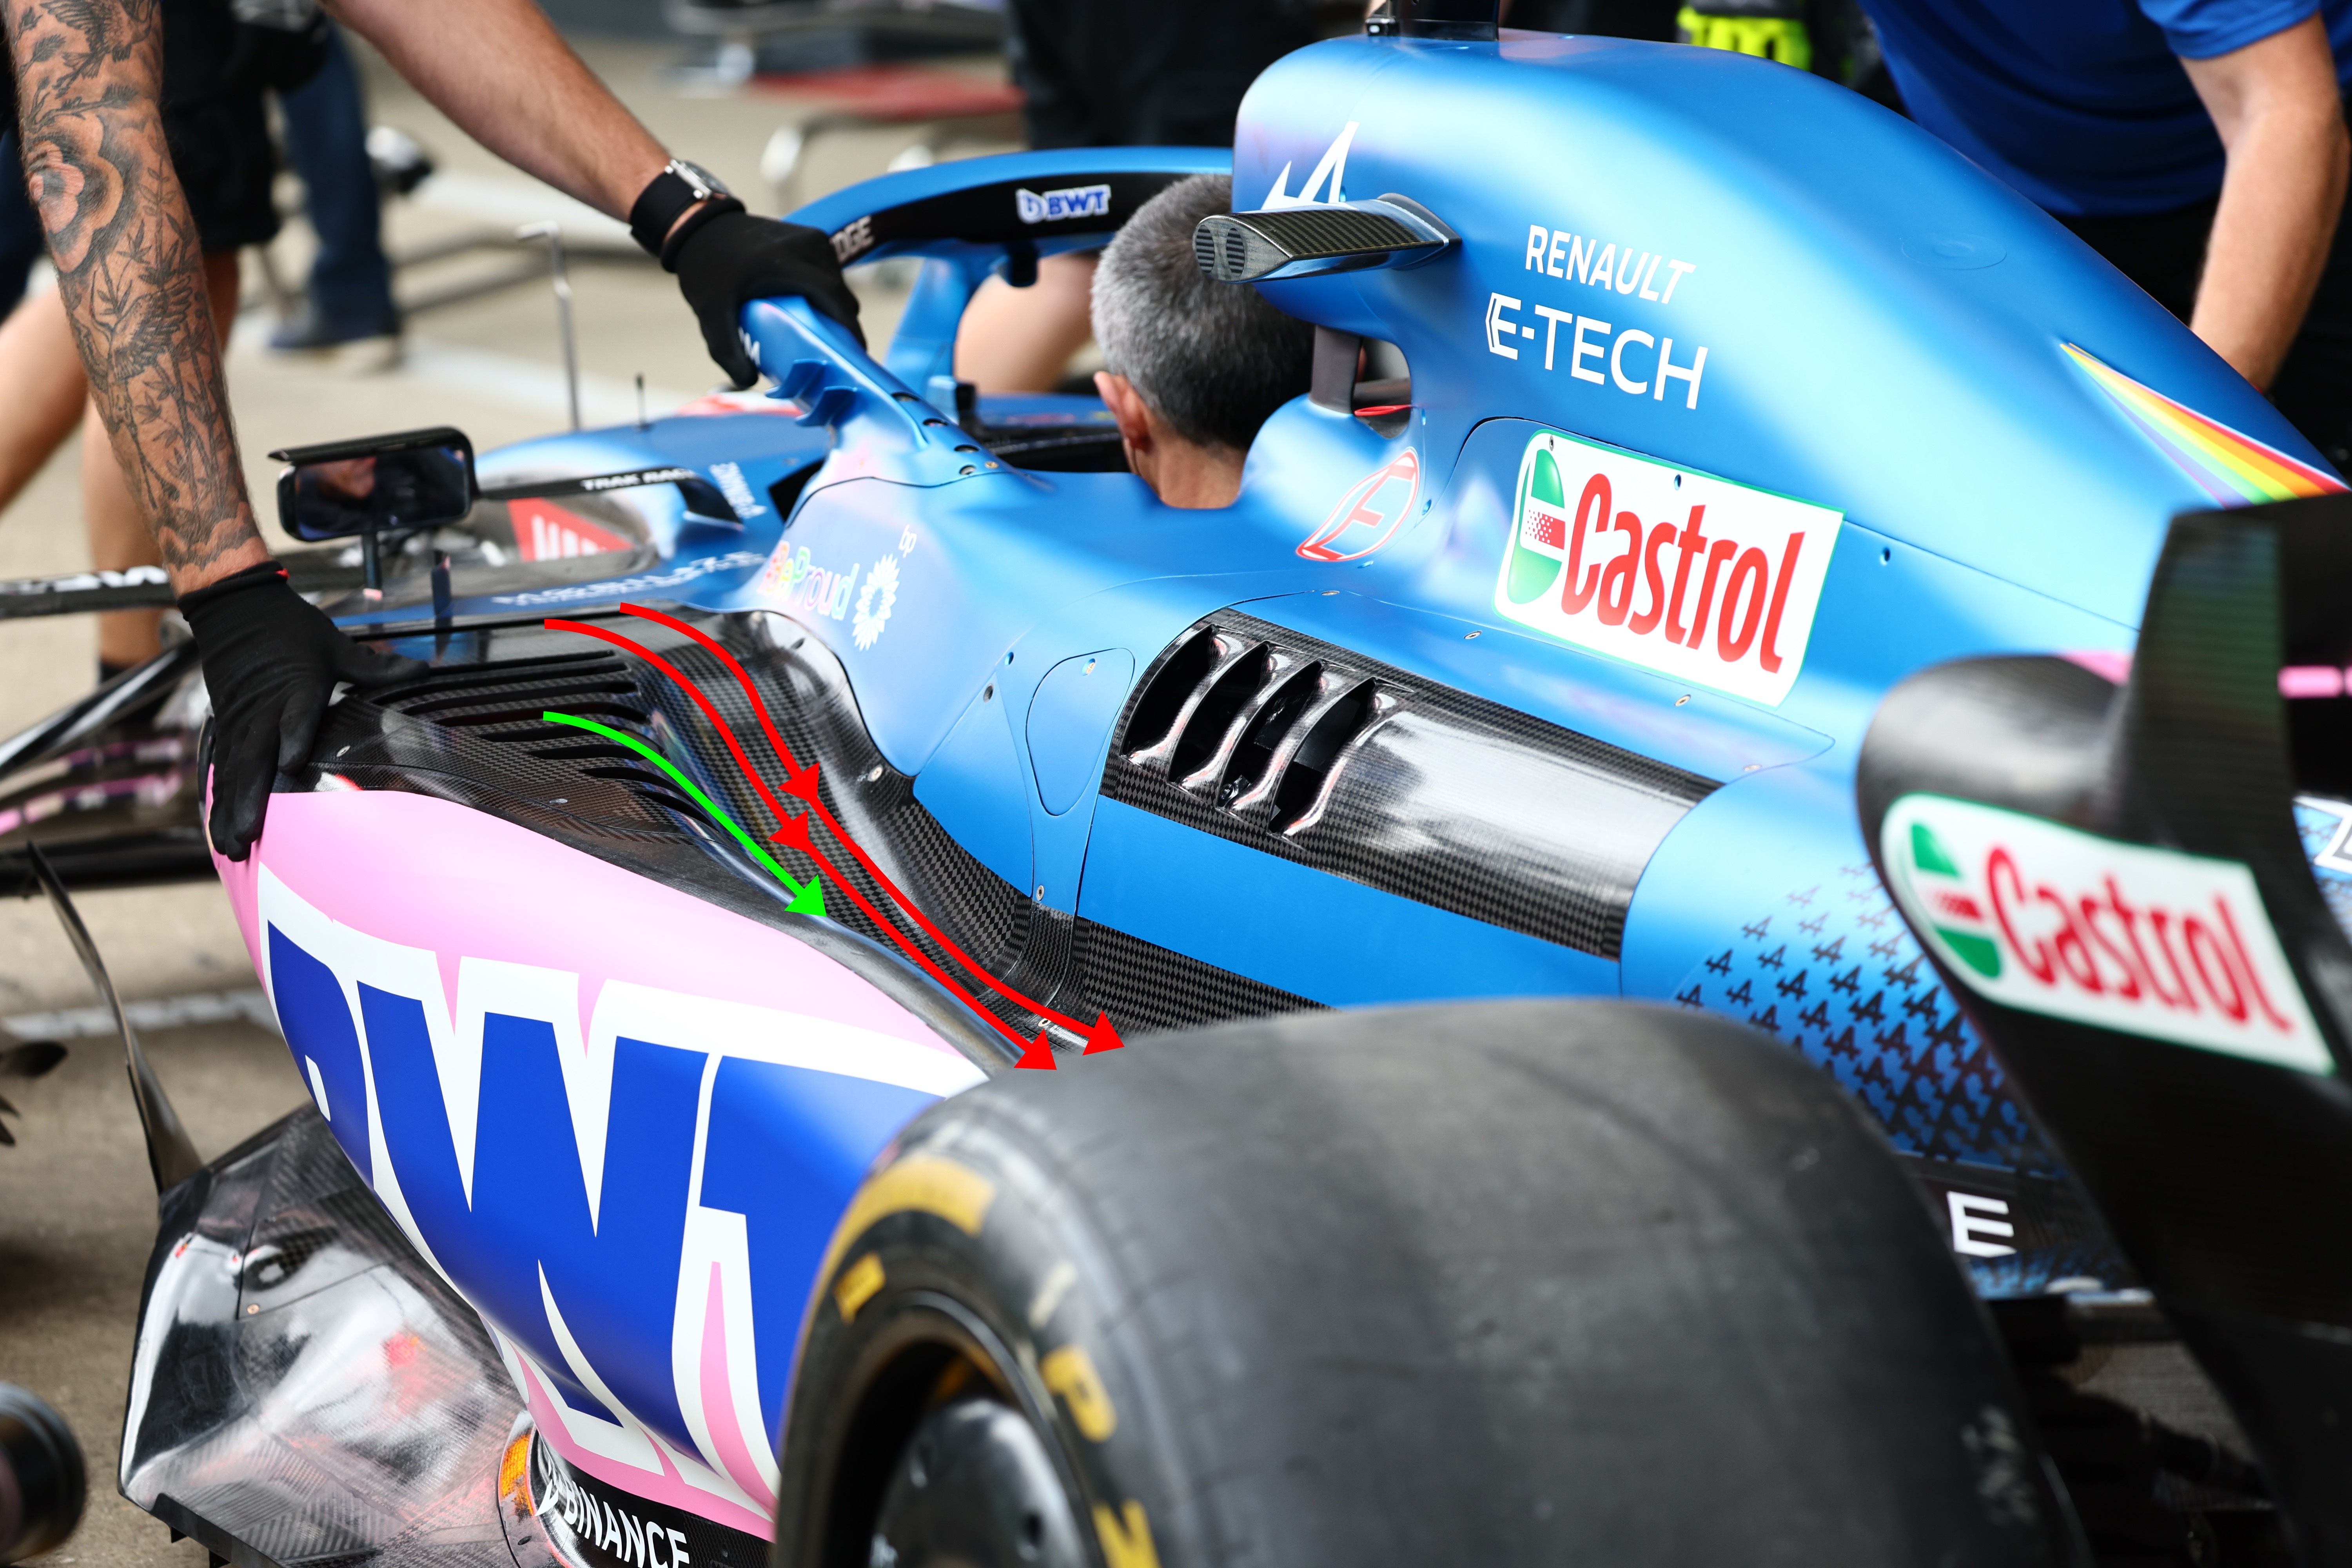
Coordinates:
731 260
271 661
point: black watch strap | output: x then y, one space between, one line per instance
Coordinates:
670 194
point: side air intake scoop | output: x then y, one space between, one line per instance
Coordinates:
1295 242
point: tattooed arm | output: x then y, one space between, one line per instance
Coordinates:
88 89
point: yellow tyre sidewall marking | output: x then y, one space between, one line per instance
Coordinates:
1070 1372
857 1286
1125 1544
922 1183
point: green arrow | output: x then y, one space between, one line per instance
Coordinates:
808 898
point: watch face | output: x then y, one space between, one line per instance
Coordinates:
696 174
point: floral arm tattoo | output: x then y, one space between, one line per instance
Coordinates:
130 269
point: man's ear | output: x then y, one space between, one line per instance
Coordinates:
1129 410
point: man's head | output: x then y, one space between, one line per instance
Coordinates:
1193 367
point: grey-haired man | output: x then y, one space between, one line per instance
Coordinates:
1194 366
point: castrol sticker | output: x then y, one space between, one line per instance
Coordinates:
2121 936
1693 576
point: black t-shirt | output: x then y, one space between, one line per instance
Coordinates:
1118 73
219 140
199 36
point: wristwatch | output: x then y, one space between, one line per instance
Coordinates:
676 188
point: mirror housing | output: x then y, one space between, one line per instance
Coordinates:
415 479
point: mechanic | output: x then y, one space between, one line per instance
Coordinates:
2199 145
216 66
87 82
1195 366
1111 73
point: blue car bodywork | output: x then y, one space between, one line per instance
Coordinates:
1338 744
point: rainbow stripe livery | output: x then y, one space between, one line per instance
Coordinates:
2234 470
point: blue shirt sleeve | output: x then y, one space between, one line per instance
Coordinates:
2201 30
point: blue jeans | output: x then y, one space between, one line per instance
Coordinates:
326 141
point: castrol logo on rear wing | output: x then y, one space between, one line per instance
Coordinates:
2121 936
1693 576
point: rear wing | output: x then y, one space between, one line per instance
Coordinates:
2103 862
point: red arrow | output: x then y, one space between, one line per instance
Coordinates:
804 784
793 830
795 833
709 711
1036 1054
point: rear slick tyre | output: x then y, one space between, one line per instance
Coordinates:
1513 1282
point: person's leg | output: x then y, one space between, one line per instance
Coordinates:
118 536
1021 339
350 292
42 370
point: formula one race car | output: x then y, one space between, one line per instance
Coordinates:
890 993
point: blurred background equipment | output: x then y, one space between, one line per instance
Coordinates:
22 1059
1105 73
348 297
790 37
43 1484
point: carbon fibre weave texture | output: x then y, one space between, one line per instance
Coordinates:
322 1397
471 732
1441 797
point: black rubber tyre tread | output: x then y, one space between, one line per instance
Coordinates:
1513 1282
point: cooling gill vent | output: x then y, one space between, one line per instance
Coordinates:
501 704
1306 750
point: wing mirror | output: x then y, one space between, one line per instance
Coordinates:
416 479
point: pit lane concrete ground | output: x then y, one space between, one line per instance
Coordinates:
76 1207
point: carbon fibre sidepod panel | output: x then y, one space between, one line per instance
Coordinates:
2113 878
471 732
304 1388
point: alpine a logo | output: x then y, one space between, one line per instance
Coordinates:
1692 576
1323 184
2050 920
1053 206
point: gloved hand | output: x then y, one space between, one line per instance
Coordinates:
271 661
734 259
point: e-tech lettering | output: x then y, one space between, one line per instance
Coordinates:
1681 572
1558 254
2143 940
